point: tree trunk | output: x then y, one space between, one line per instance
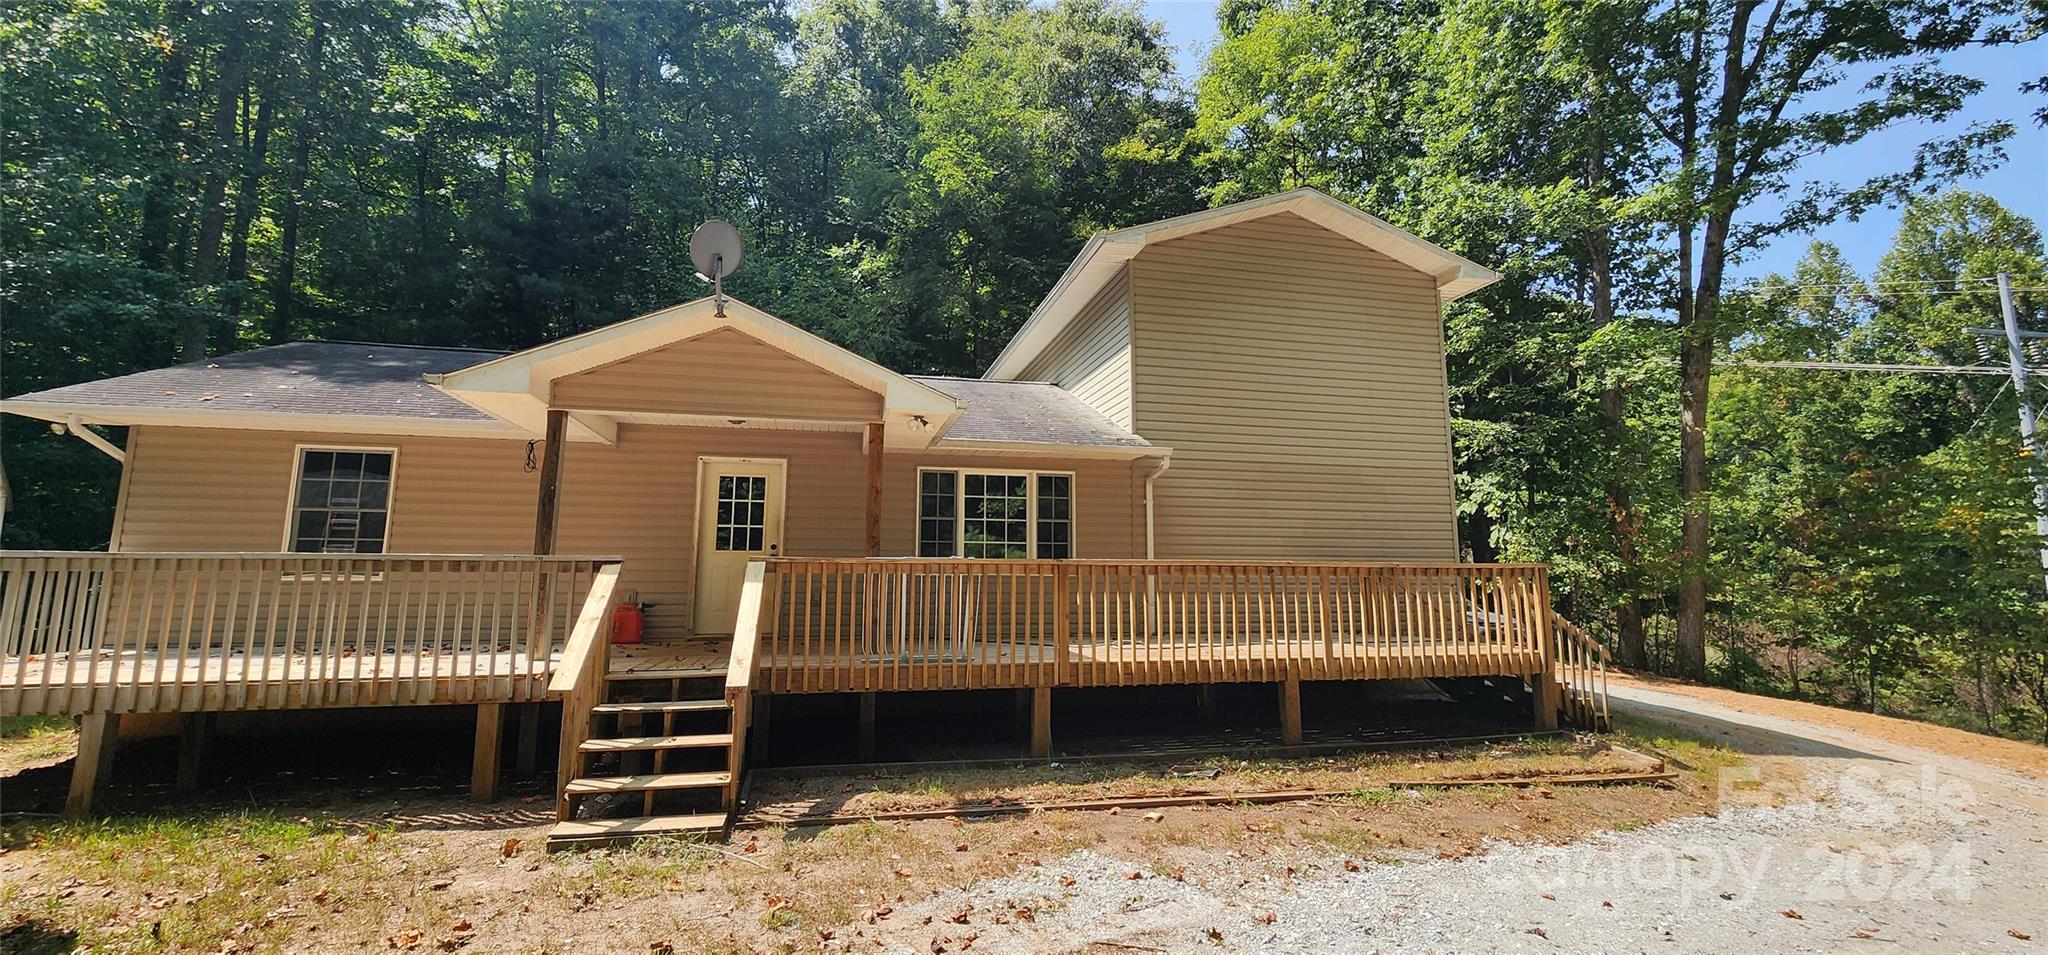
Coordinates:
153 235
1696 349
247 199
213 213
279 327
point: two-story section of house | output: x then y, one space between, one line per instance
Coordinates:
1290 351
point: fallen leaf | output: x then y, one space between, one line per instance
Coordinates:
1066 880
2016 933
1134 874
1725 896
1266 918
1793 914
1548 897
1864 933
1351 865
510 849
1537 931
441 884
903 873
960 847
1214 935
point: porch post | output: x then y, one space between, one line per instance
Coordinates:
539 641
550 484
874 536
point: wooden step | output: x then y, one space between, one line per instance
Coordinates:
608 830
651 781
674 673
675 706
624 743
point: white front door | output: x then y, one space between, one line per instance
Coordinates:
739 517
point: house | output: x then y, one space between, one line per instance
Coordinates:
1218 451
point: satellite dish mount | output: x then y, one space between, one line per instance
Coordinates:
716 249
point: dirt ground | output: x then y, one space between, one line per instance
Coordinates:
436 874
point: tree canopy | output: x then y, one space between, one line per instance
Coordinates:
188 178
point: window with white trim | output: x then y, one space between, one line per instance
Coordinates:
1003 514
342 501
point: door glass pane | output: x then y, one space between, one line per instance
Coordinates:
742 513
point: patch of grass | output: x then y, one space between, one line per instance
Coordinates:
26 740
1706 757
1369 796
202 882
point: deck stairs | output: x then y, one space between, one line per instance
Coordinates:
656 762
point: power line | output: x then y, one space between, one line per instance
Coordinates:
1880 366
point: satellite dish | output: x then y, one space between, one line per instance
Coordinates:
716 249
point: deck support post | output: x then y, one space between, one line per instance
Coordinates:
867 727
1205 701
1543 700
90 769
1290 711
1041 722
483 767
874 506
528 753
193 730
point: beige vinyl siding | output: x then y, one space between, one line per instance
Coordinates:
191 489
1092 357
721 373
1299 378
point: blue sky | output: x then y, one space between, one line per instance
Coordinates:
2021 183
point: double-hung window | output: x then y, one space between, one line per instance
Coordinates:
1010 514
341 502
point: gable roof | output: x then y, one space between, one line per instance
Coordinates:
517 387
1106 253
1011 413
316 385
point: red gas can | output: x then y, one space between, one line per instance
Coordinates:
627 623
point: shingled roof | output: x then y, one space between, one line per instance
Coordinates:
385 382
312 377
1028 412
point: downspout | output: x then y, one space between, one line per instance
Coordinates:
1151 538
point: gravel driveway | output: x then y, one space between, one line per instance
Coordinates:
1871 845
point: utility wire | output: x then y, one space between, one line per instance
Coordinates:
1879 366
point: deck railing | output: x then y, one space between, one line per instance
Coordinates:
159 632
904 624
1581 675
579 676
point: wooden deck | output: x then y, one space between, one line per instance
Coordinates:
100 635
138 633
